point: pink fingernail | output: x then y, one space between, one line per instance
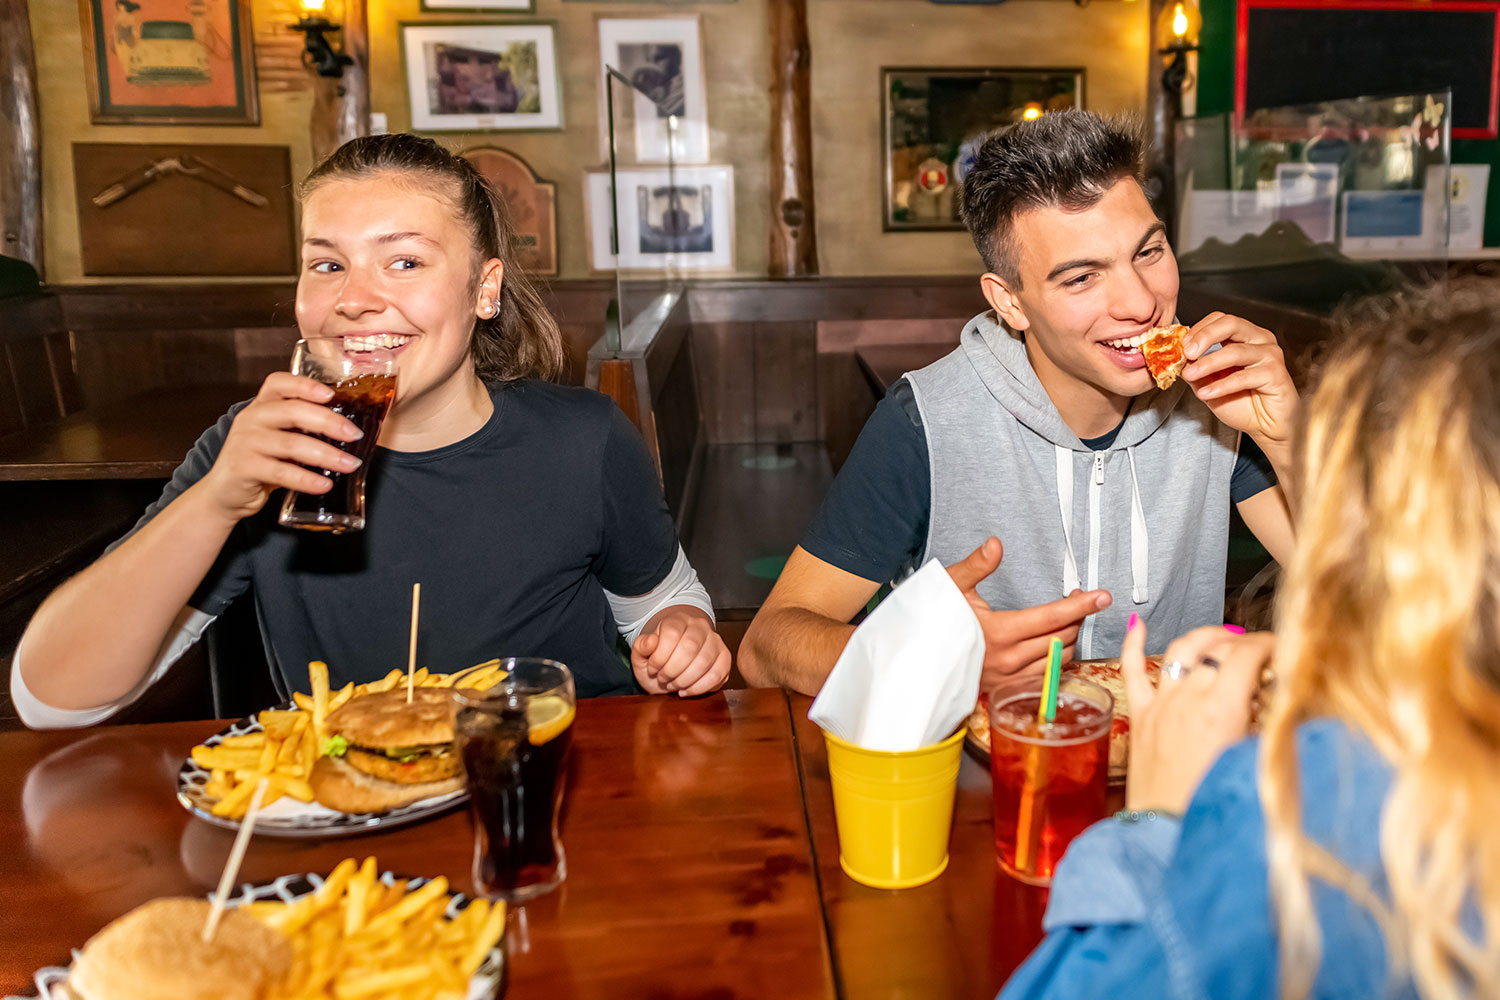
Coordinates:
1237 630
1135 620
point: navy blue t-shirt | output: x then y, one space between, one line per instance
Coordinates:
515 533
873 522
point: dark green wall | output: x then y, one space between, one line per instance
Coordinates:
1216 96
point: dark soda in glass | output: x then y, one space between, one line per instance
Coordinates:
1049 778
364 399
515 755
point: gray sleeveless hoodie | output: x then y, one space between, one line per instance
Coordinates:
1146 519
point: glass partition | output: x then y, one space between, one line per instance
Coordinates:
644 212
1324 192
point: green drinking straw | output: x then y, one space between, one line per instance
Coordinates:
1047 710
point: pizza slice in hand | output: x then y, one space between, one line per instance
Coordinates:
1165 356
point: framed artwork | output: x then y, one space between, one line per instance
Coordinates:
681 218
934 122
530 201
479 6
662 59
467 77
169 62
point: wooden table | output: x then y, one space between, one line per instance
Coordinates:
702 861
883 364
142 437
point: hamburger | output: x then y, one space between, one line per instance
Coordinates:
156 952
382 753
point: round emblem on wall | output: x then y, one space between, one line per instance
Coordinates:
932 176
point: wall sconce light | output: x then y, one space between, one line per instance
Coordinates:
316 27
1176 35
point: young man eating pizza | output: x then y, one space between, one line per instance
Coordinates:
1044 430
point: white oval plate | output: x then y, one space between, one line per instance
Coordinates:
286 817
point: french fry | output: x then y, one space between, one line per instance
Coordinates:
302 701
317 675
225 758
244 741
358 897
489 934
235 803
344 694
293 787
407 907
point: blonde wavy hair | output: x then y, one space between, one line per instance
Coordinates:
1389 619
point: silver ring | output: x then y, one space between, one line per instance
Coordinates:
1175 670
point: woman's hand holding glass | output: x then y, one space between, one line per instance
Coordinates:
271 444
1178 729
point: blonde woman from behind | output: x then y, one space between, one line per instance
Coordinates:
1352 849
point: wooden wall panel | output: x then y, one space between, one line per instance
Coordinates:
786 383
32 379
726 382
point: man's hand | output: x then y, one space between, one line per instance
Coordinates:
679 652
1018 640
1179 729
1245 382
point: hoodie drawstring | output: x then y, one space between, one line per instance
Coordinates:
1140 543
1065 504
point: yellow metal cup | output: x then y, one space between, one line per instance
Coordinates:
894 810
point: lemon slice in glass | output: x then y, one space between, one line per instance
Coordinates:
547 715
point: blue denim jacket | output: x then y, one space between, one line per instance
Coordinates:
1161 909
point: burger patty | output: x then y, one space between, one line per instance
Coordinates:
424 767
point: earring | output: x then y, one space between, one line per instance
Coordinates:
487 310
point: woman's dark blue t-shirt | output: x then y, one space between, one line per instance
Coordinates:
515 533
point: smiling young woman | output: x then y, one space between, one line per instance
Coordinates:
530 512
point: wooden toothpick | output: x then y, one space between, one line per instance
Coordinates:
411 656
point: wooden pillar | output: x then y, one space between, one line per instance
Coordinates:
1163 108
20 139
341 105
794 244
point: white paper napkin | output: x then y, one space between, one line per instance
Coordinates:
910 673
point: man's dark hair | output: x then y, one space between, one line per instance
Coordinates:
1065 158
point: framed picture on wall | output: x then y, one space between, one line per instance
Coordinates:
166 62
935 120
662 59
467 77
681 218
479 6
530 201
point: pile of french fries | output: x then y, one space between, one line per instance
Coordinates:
356 938
291 740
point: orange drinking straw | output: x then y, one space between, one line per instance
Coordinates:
1028 822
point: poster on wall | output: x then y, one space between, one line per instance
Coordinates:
668 219
530 202
662 59
935 120
169 62
465 77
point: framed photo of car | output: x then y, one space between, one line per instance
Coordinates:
169 62
480 77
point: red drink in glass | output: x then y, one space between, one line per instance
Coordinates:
1049 778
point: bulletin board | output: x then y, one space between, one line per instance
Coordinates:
1304 51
